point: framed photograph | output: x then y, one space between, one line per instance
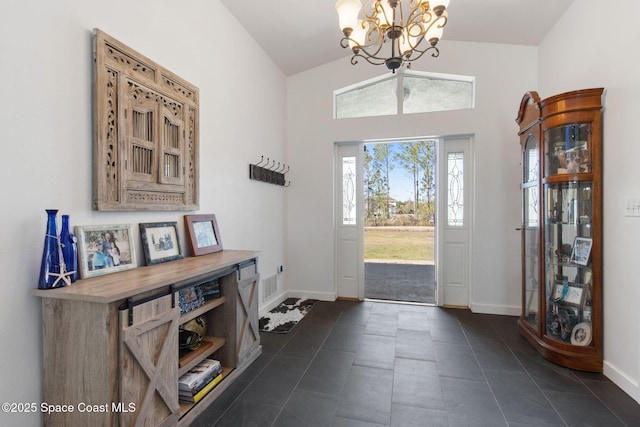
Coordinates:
572 294
160 242
189 299
203 233
105 249
581 334
575 296
558 292
581 250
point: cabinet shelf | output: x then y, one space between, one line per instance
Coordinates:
209 305
208 346
579 177
568 265
566 224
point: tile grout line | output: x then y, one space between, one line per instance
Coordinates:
249 384
530 377
484 375
305 371
580 380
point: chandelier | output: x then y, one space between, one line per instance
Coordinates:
410 32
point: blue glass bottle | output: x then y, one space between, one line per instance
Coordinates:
69 246
50 266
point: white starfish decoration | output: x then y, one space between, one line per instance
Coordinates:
64 275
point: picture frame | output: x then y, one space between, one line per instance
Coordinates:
581 334
160 242
203 233
105 249
190 298
574 296
581 250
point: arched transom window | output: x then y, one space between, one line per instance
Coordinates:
405 92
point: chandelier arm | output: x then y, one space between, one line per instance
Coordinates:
417 12
411 58
368 48
365 53
380 10
414 38
376 31
370 59
369 11
439 21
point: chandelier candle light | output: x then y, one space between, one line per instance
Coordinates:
384 23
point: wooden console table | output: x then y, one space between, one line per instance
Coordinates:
110 343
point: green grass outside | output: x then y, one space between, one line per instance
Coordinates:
399 243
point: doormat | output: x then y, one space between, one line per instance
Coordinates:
286 315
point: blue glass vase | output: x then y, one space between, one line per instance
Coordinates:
69 247
50 266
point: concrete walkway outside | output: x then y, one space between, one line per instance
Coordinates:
400 282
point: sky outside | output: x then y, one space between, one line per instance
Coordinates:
400 179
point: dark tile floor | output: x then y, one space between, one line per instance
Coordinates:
384 364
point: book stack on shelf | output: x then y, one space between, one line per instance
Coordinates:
199 381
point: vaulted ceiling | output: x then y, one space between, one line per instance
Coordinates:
302 34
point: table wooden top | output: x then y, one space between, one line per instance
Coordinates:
122 285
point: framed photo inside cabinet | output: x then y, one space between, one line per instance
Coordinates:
558 291
570 294
105 249
160 242
581 250
581 334
203 234
576 295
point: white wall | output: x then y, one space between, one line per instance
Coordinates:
504 73
574 56
45 116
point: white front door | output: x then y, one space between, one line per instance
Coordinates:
349 199
454 221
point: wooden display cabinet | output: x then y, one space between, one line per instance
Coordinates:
110 343
561 143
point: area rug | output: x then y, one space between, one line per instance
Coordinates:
286 315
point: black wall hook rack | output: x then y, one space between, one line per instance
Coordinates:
269 171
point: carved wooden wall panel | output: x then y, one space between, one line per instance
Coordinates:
145 132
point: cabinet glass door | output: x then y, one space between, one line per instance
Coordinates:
530 239
568 149
568 241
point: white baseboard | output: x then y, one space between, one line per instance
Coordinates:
618 377
504 310
322 296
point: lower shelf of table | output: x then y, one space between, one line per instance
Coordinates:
186 406
190 411
209 346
